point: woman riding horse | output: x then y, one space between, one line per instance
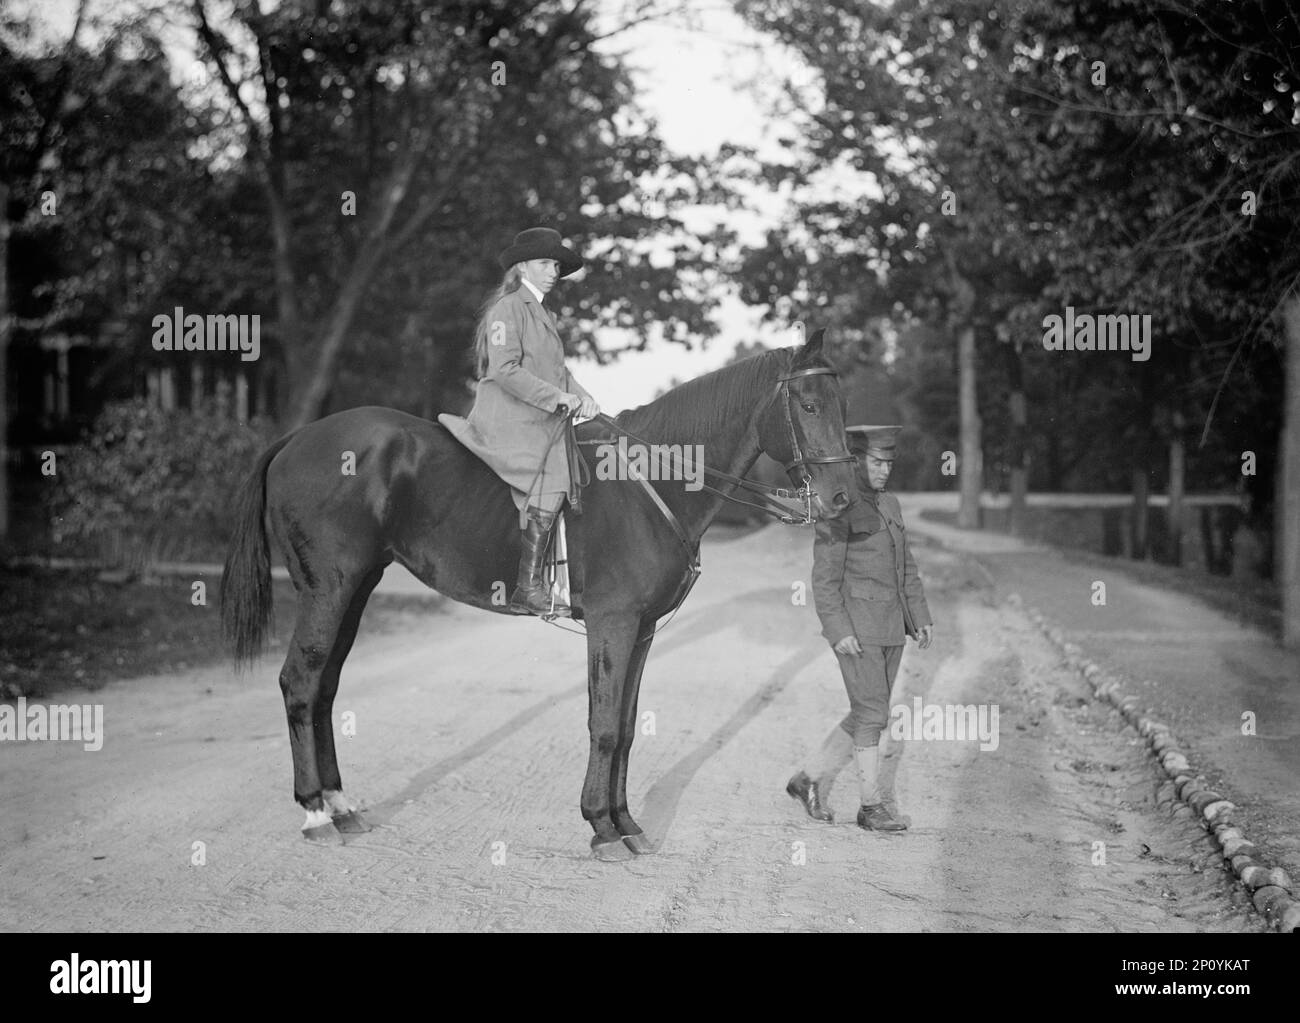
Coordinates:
522 383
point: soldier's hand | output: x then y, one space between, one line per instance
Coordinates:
925 635
589 408
848 645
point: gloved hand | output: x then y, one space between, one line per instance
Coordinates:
567 404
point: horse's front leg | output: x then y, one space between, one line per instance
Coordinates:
633 837
610 641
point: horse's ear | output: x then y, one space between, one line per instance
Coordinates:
813 346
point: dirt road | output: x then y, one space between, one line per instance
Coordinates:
469 751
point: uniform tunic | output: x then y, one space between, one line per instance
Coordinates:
865 584
513 418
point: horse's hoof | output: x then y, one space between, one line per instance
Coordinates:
323 833
638 843
351 823
611 852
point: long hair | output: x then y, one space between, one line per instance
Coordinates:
510 283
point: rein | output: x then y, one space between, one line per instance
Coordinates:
764 492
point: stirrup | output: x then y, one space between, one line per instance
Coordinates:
519 600
555 572
557 610
553 608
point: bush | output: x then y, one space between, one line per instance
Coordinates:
150 485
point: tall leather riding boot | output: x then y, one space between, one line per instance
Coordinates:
532 594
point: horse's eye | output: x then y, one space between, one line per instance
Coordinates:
808 406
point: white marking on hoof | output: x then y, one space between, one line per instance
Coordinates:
316 819
337 803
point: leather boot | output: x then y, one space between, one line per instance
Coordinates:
531 593
811 795
879 818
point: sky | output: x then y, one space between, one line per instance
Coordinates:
697 76
699 83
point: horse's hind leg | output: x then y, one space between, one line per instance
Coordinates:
344 815
633 837
321 612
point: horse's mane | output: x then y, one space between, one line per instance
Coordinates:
712 404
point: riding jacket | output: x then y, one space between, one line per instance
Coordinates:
513 418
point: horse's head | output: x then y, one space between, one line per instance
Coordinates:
802 427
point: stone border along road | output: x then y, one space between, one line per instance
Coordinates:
1271 889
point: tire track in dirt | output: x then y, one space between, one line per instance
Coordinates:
470 744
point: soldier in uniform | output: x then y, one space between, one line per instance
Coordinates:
869 598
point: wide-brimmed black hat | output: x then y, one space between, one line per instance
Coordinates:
878 441
541 243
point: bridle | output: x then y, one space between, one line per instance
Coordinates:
796 468
800 459
799 463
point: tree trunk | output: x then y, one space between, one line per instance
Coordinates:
1019 448
309 392
1287 544
288 313
1177 486
5 331
960 312
972 469
1140 535
1141 488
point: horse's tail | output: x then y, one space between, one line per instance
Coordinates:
246 595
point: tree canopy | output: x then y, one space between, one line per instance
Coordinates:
1000 161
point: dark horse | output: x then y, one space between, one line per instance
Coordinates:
419 498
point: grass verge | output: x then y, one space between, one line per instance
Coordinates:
69 629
